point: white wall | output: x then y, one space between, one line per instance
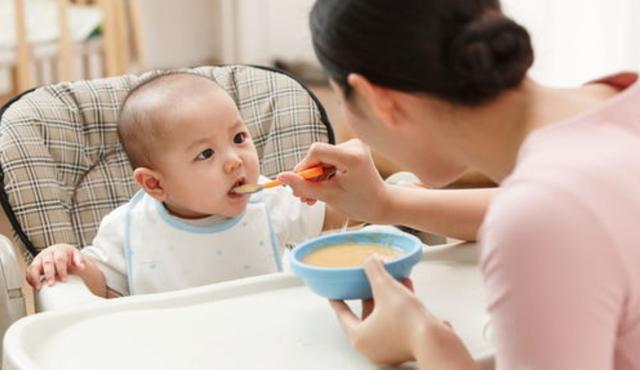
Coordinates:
273 29
289 35
578 40
187 32
574 40
179 33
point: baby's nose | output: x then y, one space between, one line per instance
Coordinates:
233 163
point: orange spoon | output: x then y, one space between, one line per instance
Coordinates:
309 173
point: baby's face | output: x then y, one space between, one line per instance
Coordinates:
208 151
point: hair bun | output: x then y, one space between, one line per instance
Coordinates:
491 54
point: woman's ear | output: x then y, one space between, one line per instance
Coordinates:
382 102
149 181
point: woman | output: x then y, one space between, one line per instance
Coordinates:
440 86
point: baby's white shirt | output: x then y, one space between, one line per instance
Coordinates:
141 248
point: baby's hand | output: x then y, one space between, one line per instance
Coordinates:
54 263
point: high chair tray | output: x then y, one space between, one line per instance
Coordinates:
266 322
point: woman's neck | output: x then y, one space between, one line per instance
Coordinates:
491 136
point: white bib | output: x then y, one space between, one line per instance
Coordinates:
164 253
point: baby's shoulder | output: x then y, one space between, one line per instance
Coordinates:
136 204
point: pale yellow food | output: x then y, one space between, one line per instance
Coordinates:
349 255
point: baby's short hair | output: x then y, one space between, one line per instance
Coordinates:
140 124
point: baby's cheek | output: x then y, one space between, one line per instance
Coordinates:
255 171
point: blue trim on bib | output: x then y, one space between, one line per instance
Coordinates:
176 223
128 252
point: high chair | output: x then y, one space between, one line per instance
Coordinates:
62 167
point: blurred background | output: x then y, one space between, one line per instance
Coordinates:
46 41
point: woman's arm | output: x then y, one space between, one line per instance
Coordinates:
457 213
334 219
438 347
358 191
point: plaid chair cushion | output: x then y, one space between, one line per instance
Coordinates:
63 168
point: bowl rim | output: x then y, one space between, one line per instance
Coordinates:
410 254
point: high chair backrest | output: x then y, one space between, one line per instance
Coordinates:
62 167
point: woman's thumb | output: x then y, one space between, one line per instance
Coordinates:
290 178
378 276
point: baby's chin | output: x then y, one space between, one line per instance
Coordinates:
232 214
235 210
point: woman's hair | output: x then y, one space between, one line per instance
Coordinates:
463 51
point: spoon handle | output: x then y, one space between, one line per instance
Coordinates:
309 173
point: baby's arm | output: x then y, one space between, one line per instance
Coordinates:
94 278
56 262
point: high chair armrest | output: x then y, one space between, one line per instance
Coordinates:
12 306
71 293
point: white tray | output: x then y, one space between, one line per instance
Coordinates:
267 322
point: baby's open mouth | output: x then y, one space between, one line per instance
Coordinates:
239 182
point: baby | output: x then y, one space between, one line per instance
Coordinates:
189 147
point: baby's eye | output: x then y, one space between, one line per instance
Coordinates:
205 154
240 138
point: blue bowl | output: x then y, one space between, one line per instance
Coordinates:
351 282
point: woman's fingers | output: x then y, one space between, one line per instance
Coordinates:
367 308
351 184
344 156
309 201
408 283
378 277
334 158
303 188
348 320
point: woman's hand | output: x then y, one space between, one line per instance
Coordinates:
398 328
356 188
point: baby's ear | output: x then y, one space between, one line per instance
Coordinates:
149 181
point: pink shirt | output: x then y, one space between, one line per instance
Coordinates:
561 243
